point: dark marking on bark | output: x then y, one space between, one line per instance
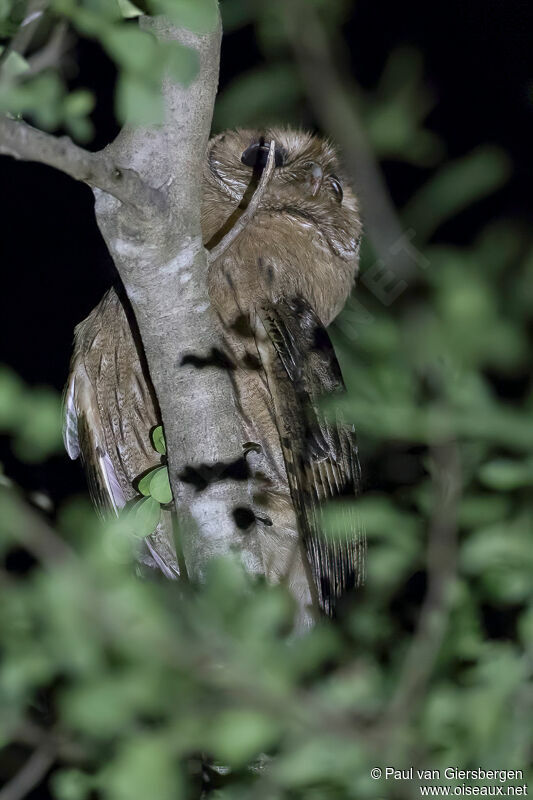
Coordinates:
202 475
252 362
244 517
216 358
242 326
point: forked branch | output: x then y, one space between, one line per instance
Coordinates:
22 141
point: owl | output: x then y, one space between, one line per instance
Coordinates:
275 289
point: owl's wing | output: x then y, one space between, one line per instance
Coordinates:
109 410
84 435
320 455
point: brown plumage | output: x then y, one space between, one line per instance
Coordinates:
275 289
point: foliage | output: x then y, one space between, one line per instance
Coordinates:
148 688
33 85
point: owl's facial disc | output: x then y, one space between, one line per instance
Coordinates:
256 155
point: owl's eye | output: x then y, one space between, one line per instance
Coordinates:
256 155
337 187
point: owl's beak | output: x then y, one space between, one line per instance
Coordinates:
316 178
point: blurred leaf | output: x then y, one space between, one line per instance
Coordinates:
200 16
38 434
138 102
128 9
378 516
76 107
393 114
144 516
454 187
502 545
506 475
134 50
258 97
11 398
319 759
482 509
71 784
14 65
144 767
40 97
182 62
237 736
236 14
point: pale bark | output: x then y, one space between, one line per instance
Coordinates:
151 226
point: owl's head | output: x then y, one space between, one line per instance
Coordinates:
308 182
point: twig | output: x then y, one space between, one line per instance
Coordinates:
21 141
50 54
333 100
28 733
31 773
22 39
441 564
251 208
32 531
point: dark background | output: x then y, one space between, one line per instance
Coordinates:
477 60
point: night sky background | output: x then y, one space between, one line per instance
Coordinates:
477 59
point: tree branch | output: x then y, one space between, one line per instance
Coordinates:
22 39
22 141
32 531
164 266
334 102
51 52
441 561
30 775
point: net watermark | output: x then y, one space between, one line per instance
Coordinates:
461 782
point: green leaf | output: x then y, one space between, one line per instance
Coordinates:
482 509
70 784
38 434
158 440
78 103
456 186
12 393
14 65
139 102
200 16
144 767
134 50
236 14
259 96
144 484
144 516
128 9
182 62
41 97
237 736
506 475
76 107
160 486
